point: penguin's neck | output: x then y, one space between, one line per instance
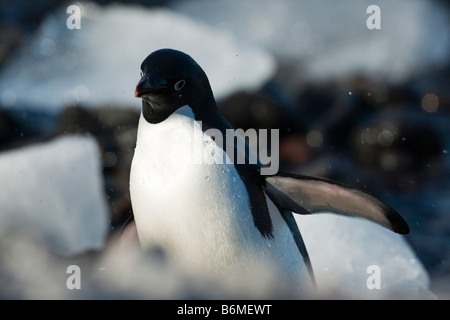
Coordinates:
206 111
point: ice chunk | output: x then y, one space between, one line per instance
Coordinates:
331 38
99 64
358 259
54 192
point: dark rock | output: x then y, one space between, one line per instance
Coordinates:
10 39
400 150
10 130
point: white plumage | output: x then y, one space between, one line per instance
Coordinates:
199 213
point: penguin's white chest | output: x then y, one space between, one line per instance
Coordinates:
198 212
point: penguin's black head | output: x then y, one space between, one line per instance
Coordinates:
170 80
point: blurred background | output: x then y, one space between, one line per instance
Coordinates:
370 108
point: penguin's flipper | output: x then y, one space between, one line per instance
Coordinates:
303 195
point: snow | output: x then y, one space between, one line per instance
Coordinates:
330 38
54 193
99 64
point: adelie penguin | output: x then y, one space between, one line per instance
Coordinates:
222 220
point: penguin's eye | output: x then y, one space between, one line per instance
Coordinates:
179 85
142 73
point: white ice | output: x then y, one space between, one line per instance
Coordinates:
99 64
357 259
54 192
330 40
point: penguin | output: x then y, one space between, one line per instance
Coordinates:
222 219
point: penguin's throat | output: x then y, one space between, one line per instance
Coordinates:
155 112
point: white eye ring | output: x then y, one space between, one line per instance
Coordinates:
142 73
179 85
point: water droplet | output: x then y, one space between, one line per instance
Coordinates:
430 102
444 151
207 178
47 47
314 138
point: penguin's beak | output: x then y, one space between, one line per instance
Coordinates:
149 84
